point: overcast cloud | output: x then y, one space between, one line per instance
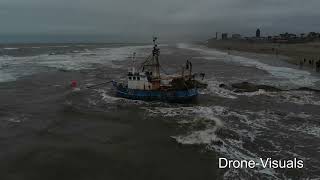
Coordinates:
168 18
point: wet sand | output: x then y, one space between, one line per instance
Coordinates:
295 52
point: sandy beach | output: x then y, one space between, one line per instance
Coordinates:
295 52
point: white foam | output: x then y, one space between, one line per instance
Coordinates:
78 61
204 136
297 97
112 99
231 148
204 51
5 77
293 76
69 61
299 115
122 53
308 129
11 48
60 46
12 118
248 126
198 137
199 111
213 88
207 136
106 97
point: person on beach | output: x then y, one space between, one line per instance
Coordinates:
301 64
202 75
313 64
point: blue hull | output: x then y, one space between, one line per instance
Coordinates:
147 95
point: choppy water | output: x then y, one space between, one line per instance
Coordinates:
51 132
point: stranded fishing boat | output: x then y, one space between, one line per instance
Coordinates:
148 84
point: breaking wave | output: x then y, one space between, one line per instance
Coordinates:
5 77
289 76
12 68
293 96
234 134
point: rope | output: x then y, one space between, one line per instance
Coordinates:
98 84
147 59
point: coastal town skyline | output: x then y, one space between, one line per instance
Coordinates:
174 19
259 35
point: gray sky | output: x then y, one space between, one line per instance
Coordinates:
167 18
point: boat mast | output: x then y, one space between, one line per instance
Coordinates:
155 59
133 63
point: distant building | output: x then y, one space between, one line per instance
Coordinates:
313 35
258 33
224 36
236 36
288 36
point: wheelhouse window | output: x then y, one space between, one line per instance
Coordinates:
134 78
130 77
138 78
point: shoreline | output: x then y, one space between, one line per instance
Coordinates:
292 53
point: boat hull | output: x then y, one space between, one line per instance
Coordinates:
156 95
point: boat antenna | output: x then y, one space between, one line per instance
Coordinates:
190 68
133 62
154 40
